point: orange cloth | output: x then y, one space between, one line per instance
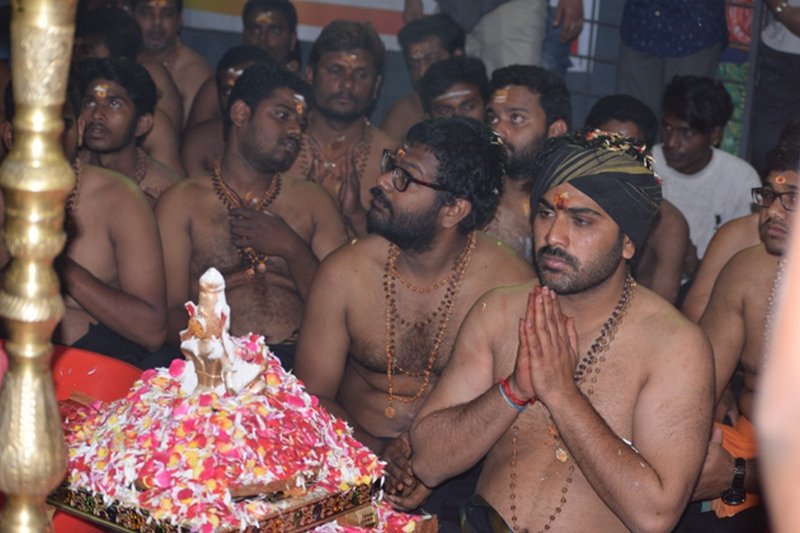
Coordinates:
739 441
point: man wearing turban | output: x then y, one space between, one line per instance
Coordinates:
590 396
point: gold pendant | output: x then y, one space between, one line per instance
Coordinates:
561 454
262 267
389 411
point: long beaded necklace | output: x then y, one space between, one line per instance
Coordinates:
72 198
231 200
587 369
141 163
444 310
769 316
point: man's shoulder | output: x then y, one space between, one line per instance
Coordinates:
663 327
355 259
192 61
503 265
165 175
381 139
101 183
728 163
186 191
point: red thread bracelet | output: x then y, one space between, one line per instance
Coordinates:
513 397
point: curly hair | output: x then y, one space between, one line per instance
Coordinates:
702 102
128 74
470 158
444 74
347 35
554 97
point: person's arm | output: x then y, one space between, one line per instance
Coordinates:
271 235
466 405
350 199
196 147
205 105
324 341
569 15
161 143
670 236
169 100
789 16
329 232
670 426
172 213
137 309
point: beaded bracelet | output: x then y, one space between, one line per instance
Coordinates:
512 399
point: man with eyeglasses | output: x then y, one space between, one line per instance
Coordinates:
383 313
737 321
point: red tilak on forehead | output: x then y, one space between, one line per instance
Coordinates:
561 200
780 179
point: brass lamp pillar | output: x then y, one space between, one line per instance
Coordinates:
35 179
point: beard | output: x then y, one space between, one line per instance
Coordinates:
267 161
578 279
519 163
411 232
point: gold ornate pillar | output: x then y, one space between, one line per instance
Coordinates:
35 179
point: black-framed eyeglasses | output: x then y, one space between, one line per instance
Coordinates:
763 197
401 178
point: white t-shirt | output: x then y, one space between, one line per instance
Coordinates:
708 199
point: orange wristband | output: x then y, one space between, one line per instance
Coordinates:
516 400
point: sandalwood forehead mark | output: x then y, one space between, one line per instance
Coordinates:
235 72
264 18
100 90
500 96
780 179
453 94
299 104
561 200
158 3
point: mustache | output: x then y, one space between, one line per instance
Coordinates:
93 125
344 94
556 252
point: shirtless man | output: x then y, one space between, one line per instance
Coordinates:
455 87
659 265
270 25
383 313
112 270
424 41
160 21
204 142
263 230
736 321
528 106
119 99
112 32
571 448
341 149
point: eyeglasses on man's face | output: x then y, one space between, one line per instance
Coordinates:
401 178
763 197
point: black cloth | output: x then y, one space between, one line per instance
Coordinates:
477 516
101 339
285 353
447 499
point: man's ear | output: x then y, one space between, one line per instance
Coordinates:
558 127
716 135
309 74
628 248
7 134
240 113
143 125
451 215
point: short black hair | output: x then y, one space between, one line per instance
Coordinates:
251 7
258 82
447 72
702 102
239 55
346 35
553 94
625 108
440 25
112 26
785 156
129 74
178 4
470 158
